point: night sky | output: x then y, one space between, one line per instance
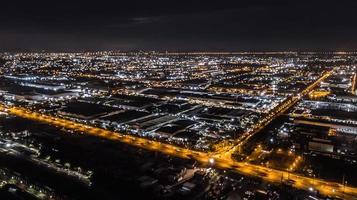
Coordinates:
178 25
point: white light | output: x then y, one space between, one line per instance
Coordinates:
311 189
211 160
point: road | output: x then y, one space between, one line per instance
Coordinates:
273 114
354 82
274 176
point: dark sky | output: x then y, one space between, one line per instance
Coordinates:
261 25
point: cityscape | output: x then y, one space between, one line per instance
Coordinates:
167 125
178 100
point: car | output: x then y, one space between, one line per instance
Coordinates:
289 182
262 173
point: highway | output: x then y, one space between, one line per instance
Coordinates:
271 175
354 82
280 109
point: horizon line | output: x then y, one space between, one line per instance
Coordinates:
153 52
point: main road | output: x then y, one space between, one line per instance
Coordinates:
273 114
275 176
328 188
354 82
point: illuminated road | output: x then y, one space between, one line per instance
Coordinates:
275 176
354 82
280 109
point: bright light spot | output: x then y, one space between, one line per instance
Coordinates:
211 161
311 189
